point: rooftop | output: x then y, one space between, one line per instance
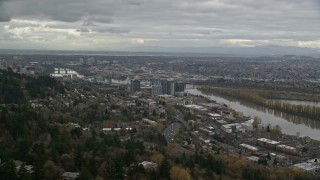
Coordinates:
193 106
147 164
70 175
269 141
253 158
214 115
222 121
286 147
249 147
308 166
227 126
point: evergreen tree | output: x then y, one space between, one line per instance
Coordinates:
84 174
8 171
164 169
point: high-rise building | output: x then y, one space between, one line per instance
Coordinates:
155 82
170 87
156 90
164 86
180 87
167 87
135 85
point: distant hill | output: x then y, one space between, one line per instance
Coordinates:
270 50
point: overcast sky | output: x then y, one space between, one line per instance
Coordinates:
121 24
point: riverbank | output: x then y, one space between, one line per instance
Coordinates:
298 102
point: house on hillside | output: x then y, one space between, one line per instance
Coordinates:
70 175
149 165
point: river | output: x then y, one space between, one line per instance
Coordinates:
290 124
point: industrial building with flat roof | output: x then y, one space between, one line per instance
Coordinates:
268 143
286 149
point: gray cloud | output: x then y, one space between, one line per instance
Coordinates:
4 17
92 20
67 11
83 29
168 23
115 30
111 30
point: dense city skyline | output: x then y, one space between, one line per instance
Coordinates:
163 25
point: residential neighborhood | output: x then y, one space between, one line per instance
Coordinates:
156 108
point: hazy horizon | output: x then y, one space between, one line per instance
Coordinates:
162 51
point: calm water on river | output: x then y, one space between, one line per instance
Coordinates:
289 124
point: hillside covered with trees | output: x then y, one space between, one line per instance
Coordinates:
17 88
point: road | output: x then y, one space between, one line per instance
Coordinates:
171 131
